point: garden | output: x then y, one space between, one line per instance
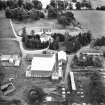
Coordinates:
56 41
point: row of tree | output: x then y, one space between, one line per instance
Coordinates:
21 14
63 5
79 5
100 41
20 3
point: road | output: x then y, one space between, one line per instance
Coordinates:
19 39
69 72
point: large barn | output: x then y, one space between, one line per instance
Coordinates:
43 65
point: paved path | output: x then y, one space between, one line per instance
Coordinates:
19 39
70 73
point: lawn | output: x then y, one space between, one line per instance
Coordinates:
9 47
44 23
5 27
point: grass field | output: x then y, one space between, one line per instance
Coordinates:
44 23
5 28
9 46
93 20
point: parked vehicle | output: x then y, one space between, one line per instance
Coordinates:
8 88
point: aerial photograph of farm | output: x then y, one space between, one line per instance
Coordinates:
52 52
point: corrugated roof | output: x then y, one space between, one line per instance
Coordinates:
43 63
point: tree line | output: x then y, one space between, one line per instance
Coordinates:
63 5
74 43
100 8
20 3
20 14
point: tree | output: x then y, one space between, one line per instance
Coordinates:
52 12
96 89
24 33
20 3
2 75
34 14
54 45
53 3
78 5
34 95
28 5
63 20
37 4
61 5
32 33
74 1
